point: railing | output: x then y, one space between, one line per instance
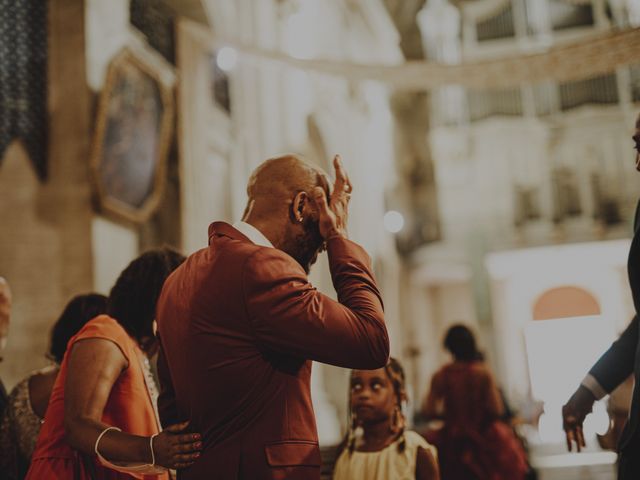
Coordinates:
564 15
598 90
453 105
500 26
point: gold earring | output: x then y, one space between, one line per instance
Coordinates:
394 421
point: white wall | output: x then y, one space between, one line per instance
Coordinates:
518 278
107 31
114 247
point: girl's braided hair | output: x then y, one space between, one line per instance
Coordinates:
395 374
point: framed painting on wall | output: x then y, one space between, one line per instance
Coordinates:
133 134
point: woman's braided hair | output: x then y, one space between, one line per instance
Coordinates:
396 376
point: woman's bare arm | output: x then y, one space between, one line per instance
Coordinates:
93 368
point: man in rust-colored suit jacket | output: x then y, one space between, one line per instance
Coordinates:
239 324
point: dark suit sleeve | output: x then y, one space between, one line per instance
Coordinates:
289 316
167 408
617 363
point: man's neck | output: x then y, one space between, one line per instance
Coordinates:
266 229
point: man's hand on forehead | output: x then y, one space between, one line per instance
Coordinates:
334 208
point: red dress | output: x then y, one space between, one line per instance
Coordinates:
473 444
129 408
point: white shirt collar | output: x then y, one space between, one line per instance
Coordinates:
253 234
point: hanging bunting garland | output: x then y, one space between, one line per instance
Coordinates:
23 79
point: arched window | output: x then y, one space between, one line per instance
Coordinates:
563 302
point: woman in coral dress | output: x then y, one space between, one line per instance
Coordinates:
101 421
473 444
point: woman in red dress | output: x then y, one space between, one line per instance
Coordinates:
101 421
473 444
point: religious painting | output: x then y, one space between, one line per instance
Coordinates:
132 136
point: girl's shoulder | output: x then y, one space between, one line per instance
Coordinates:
415 440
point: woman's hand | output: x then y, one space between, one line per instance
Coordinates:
174 449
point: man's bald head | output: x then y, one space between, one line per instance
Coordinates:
281 205
277 180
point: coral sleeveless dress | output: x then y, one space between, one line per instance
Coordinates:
129 407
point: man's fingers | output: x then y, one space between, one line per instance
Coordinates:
342 183
573 436
321 199
339 168
569 437
580 438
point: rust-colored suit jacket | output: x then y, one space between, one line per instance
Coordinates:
239 325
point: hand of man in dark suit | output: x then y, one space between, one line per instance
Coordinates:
573 414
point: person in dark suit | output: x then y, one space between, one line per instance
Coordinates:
239 324
615 365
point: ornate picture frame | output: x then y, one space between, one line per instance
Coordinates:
133 135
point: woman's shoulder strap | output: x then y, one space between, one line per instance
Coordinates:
107 328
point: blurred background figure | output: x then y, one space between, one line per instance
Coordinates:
473 443
28 400
5 318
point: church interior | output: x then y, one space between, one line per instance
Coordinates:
488 143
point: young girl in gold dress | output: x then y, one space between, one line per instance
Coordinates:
378 447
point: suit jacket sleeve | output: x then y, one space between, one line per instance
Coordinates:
290 316
617 363
167 407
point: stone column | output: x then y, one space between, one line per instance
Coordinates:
45 246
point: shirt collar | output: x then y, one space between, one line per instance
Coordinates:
253 234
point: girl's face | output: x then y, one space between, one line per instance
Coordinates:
372 396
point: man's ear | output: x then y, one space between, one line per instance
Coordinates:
248 209
299 207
